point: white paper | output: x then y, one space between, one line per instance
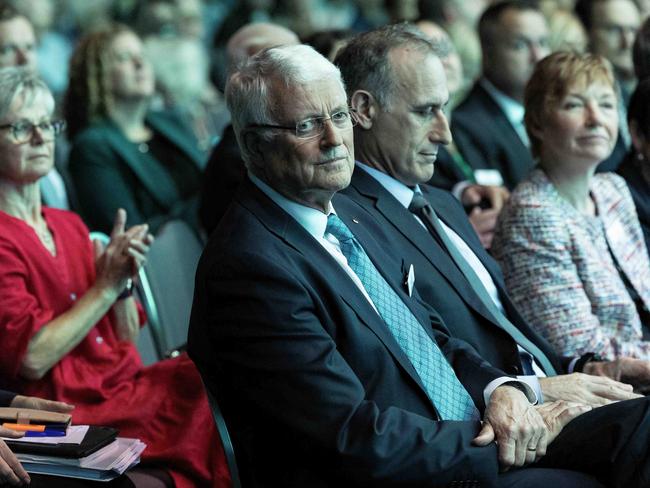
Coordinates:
74 435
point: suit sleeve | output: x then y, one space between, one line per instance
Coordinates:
264 326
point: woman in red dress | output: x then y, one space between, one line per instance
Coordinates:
67 327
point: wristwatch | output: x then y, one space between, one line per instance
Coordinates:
584 359
128 290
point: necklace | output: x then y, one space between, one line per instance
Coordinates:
45 235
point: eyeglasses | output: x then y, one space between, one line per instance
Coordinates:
23 131
315 126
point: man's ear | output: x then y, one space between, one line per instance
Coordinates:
364 108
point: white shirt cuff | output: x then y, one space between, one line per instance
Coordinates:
529 391
572 364
459 188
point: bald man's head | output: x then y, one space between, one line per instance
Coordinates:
254 37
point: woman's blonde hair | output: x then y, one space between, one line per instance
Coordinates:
553 78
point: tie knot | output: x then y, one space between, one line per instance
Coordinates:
337 228
418 203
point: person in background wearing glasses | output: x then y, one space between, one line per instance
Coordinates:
68 322
123 155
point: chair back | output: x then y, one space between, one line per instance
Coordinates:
167 285
226 441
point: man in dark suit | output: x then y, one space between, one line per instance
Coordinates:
329 370
488 125
389 169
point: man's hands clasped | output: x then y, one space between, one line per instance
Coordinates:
523 431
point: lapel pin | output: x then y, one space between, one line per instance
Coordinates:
355 221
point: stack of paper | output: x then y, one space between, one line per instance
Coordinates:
105 464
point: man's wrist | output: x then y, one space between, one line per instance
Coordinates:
128 290
522 386
579 366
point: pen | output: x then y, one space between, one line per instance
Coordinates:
24 427
35 427
45 433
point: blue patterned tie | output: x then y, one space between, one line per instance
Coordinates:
440 382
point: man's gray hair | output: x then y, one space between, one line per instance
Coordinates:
17 80
364 61
248 91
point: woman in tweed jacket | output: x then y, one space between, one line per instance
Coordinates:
569 241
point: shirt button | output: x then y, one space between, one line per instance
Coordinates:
73 296
99 339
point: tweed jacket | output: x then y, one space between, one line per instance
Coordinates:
560 272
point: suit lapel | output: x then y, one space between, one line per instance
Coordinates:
403 222
277 221
519 158
461 226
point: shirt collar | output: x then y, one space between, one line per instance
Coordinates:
513 110
399 190
312 220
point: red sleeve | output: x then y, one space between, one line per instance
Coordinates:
21 314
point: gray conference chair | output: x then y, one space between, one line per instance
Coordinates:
166 285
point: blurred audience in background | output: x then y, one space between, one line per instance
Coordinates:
123 155
641 52
636 167
459 18
488 125
329 42
173 32
612 26
52 48
566 32
225 169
